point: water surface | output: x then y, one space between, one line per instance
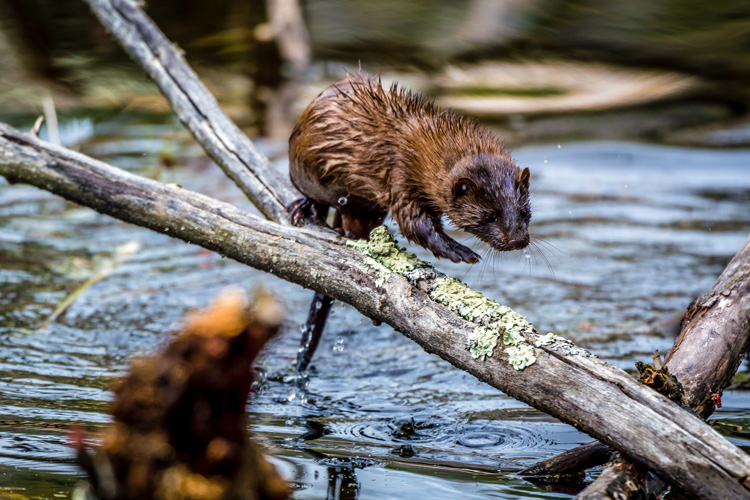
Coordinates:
632 234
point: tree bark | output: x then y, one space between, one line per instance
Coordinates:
620 481
714 338
715 335
196 107
565 381
705 357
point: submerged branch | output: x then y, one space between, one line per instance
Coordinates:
384 284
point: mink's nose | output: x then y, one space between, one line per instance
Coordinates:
518 243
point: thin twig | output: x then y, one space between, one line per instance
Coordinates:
37 127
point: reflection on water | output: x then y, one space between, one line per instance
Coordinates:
632 233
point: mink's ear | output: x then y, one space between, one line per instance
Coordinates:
523 178
462 187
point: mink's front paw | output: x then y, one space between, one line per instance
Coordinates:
464 254
428 233
450 249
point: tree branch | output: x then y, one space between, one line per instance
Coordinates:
196 106
711 345
564 381
572 461
714 338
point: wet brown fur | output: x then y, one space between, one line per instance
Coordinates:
380 149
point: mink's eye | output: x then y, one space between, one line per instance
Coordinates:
489 218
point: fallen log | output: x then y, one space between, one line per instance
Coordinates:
481 337
711 345
714 338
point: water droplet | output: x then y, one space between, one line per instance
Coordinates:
545 160
343 200
166 229
559 146
339 345
570 211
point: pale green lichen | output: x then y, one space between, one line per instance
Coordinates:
385 256
512 336
521 356
493 319
482 341
383 272
550 338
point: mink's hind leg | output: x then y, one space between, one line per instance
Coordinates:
307 208
359 225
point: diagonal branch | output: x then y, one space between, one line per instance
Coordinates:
714 338
196 107
565 381
704 358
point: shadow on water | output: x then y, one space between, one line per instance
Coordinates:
634 232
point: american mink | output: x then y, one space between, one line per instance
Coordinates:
365 150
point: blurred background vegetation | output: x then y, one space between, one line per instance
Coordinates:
668 70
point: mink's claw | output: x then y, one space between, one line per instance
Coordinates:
459 253
304 208
346 234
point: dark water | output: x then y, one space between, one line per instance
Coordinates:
633 232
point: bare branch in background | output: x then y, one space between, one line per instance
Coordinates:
196 107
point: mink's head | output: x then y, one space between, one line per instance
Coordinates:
489 197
